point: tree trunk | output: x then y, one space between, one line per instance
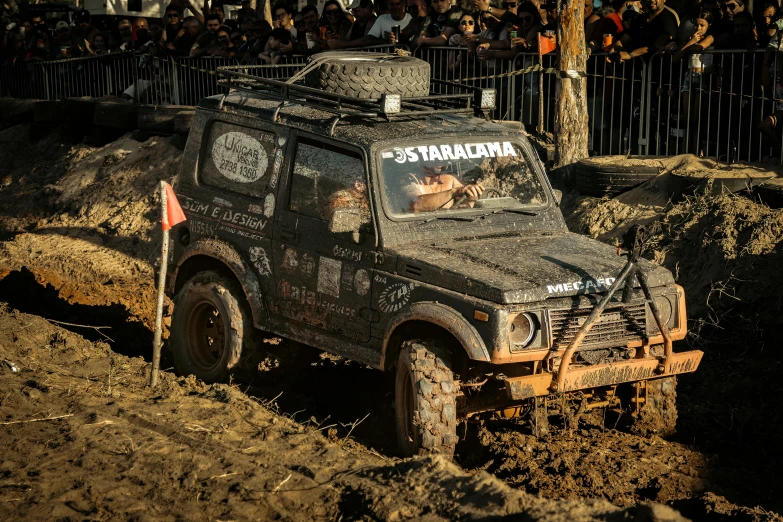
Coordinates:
267 14
571 85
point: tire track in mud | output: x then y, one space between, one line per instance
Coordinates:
329 394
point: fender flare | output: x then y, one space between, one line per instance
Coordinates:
447 318
222 251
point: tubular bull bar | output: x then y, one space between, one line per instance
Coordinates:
608 374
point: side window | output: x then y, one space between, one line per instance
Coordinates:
238 159
327 178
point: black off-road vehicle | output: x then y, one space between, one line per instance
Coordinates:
395 226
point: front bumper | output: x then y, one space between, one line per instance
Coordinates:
588 377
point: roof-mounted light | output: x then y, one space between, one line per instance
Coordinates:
390 103
485 99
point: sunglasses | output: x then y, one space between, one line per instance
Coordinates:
172 15
467 22
332 12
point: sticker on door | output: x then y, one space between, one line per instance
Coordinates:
329 276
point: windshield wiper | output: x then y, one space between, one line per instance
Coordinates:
520 211
456 218
500 210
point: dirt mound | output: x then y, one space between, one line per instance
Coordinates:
84 438
83 218
726 251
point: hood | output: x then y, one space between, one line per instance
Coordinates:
521 269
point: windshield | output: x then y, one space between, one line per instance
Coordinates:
457 178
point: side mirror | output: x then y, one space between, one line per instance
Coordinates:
558 196
345 220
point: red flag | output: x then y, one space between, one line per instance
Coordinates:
174 214
545 45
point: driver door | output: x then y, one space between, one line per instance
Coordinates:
324 277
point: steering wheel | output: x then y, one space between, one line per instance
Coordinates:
484 195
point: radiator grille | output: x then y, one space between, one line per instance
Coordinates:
615 327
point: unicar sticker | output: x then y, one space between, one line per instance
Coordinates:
457 151
239 157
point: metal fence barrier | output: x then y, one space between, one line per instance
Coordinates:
709 105
458 64
713 105
96 76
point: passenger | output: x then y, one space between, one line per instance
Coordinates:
354 196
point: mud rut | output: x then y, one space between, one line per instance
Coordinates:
342 398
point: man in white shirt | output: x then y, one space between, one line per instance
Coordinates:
381 31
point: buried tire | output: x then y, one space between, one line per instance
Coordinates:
368 76
211 329
684 183
771 193
602 176
425 400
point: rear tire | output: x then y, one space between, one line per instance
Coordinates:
212 329
425 400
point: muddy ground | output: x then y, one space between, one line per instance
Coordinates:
79 246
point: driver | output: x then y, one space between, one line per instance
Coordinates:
438 189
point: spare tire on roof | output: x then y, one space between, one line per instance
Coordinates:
611 175
369 75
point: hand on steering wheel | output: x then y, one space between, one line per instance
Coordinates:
478 192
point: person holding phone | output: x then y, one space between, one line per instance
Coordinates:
381 31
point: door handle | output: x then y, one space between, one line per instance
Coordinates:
287 233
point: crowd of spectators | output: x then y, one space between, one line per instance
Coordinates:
626 29
488 31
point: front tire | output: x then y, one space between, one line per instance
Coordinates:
425 400
658 414
211 329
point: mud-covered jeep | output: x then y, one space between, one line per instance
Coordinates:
394 227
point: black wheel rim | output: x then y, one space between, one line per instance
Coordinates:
206 336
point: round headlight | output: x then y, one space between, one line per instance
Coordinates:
665 308
522 329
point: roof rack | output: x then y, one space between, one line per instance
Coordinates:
286 83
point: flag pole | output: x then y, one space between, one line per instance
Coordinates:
157 342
